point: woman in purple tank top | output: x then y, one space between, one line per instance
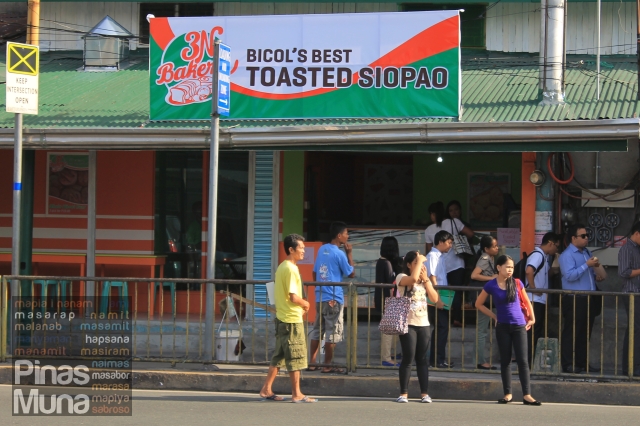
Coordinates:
511 326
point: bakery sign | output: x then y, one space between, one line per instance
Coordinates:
401 64
67 183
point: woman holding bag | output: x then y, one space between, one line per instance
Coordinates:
455 262
514 317
413 283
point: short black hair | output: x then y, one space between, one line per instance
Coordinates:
486 242
389 248
441 237
291 241
437 208
336 229
408 258
635 228
573 230
551 237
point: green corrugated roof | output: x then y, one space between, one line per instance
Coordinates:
499 88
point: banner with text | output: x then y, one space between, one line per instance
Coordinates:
310 66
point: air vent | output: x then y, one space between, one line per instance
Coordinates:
106 46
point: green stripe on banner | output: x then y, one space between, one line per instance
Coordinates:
356 102
350 102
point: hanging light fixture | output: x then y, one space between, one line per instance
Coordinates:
440 158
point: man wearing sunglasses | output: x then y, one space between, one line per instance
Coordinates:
579 313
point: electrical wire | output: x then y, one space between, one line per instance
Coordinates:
553 176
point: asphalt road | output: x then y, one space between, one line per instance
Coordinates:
155 408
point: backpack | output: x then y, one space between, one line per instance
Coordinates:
519 271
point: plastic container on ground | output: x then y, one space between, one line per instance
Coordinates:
226 342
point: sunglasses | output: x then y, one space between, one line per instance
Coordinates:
583 236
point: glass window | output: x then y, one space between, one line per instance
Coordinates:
179 212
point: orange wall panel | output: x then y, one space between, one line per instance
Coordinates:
40 186
125 183
528 224
6 181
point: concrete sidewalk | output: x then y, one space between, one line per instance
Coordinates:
370 383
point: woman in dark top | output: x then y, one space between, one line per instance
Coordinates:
387 267
511 326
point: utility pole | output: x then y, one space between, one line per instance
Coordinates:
638 44
599 6
21 246
213 207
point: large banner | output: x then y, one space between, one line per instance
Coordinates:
402 64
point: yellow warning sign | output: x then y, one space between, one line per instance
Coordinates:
23 59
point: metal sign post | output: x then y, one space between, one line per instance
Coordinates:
23 65
220 104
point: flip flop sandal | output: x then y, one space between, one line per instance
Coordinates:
273 397
334 370
305 400
313 368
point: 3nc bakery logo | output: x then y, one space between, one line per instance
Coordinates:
186 68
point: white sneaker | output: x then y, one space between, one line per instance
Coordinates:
426 399
402 399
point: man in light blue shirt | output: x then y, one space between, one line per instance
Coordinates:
331 266
579 313
437 273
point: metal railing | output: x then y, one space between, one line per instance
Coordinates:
604 332
174 332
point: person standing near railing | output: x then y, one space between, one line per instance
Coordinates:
330 266
413 282
577 268
629 271
387 267
511 326
291 345
484 272
439 314
537 271
456 265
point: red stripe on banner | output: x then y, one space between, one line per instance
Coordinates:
161 32
436 39
439 38
278 96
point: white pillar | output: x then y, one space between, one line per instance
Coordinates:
552 51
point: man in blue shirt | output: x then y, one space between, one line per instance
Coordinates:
629 271
331 265
579 313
